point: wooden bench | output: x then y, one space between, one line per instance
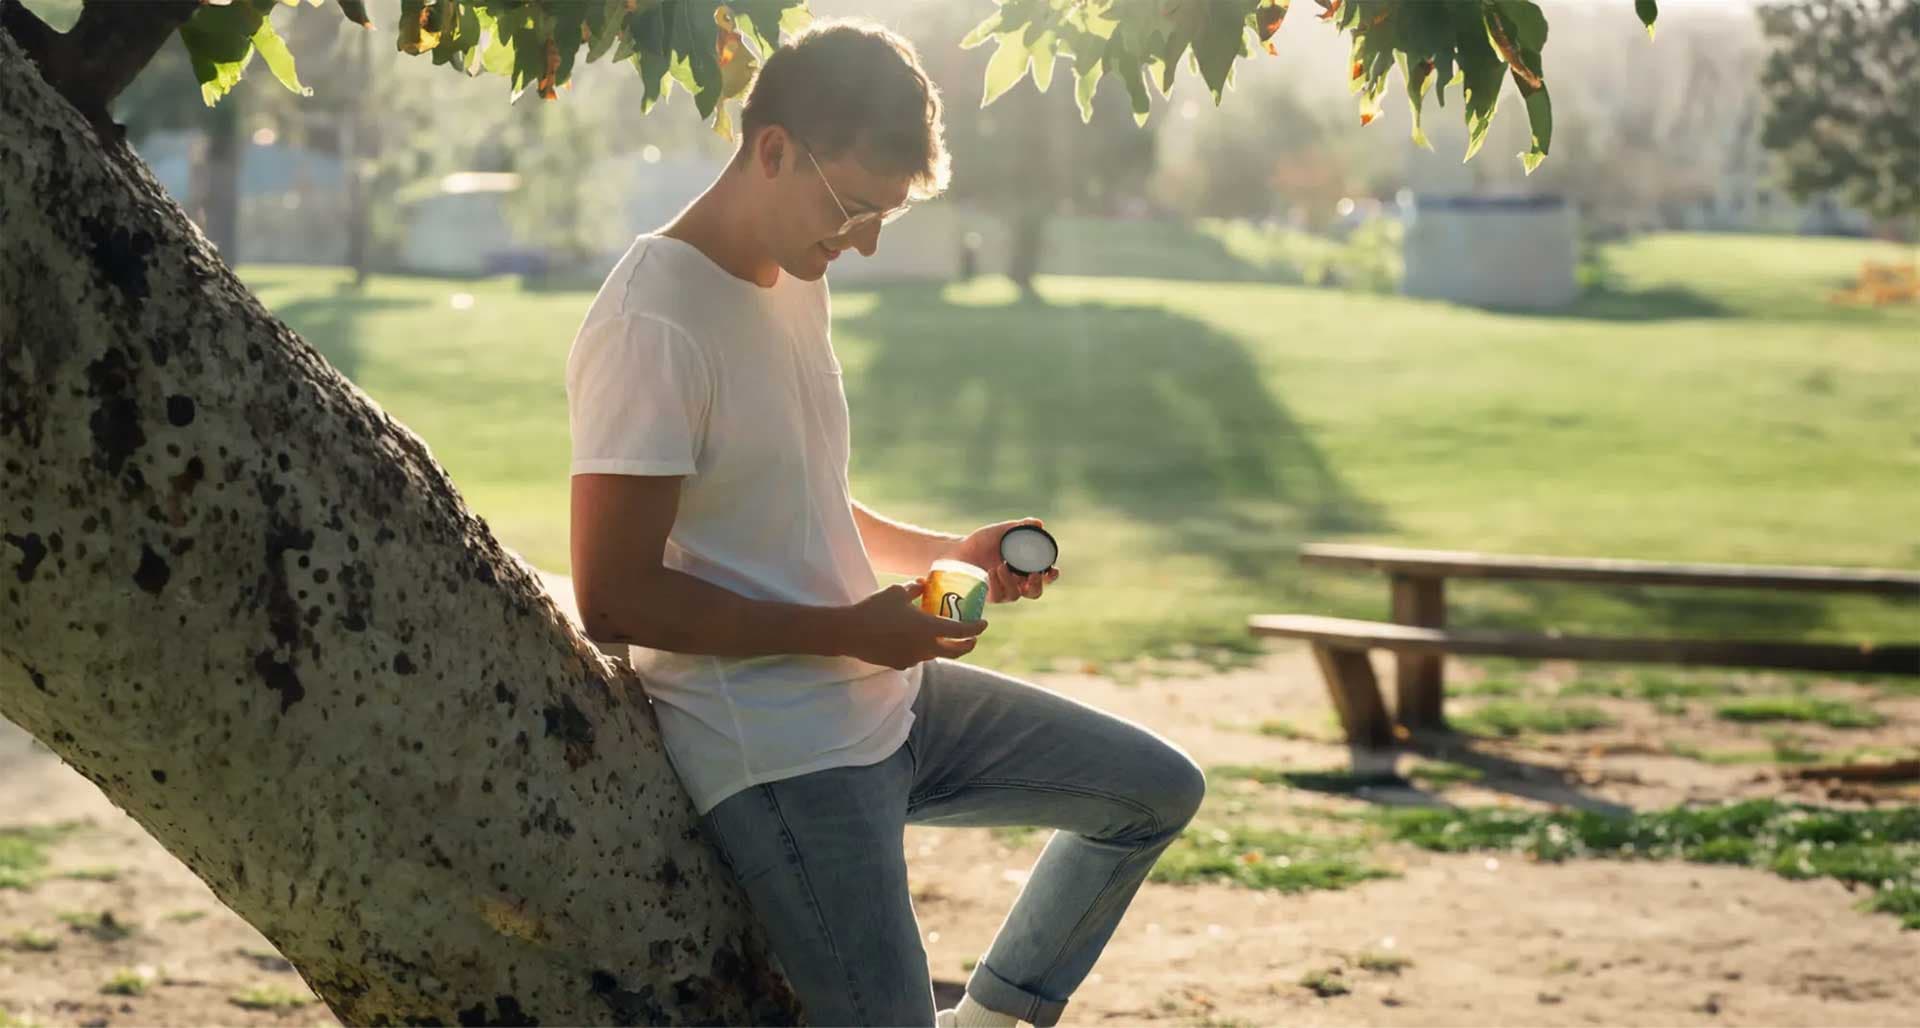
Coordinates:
1420 640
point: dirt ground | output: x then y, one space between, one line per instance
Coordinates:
1490 940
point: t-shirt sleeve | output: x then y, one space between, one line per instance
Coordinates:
638 395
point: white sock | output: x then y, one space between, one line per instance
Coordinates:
972 1015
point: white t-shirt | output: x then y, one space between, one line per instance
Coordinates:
681 368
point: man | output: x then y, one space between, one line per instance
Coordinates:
811 714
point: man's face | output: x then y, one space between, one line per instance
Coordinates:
814 199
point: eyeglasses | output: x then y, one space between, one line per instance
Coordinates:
852 222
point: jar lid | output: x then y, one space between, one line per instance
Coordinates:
1029 549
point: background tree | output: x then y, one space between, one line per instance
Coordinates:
250 607
1843 79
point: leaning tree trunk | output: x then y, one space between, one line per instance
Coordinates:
250 607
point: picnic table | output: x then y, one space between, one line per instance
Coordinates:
1420 640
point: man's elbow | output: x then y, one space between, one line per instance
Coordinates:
610 613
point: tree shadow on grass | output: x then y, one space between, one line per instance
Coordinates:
331 324
1024 405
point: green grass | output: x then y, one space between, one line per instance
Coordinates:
1326 982
1832 713
1261 858
185 916
269 997
27 940
125 983
1383 963
1651 686
93 874
1878 849
1438 774
1182 438
101 925
1280 728
1508 718
1502 687
1783 748
1014 835
23 853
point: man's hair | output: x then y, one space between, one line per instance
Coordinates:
848 85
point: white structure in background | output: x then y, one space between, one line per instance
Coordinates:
1492 251
460 227
1470 244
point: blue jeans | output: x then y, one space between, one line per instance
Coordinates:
822 855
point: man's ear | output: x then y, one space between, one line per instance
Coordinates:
770 147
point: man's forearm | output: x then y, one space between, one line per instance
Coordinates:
897 548
672 610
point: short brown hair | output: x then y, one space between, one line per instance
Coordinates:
849 85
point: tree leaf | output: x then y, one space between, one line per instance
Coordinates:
1007 67
987 29
1649 11
279 59
1086 80
1482 73
219 43
1539 114
1529 23
356 11
1043 51
1418 74
417 27
1222 39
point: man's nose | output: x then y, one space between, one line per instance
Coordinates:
867 240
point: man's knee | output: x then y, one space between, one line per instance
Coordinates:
1176 786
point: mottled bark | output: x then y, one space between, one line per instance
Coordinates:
252 608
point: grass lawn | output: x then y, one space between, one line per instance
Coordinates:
1182 437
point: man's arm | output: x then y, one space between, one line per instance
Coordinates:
897 548
625 594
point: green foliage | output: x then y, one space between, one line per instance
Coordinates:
1878 849
23 853
1514 717
1840 81
711 49
707 48
102 926
1832 713
1651 686
1383 963
29 941
1326 982
1146 40
125 983
1258 858
1435 774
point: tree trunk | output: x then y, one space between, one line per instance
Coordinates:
353 152
251 607
217 180
1028 229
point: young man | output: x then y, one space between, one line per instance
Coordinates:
811 714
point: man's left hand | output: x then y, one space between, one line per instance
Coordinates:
1004 585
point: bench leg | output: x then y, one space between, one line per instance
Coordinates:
1421 601
1356 696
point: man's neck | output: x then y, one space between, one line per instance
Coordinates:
720 224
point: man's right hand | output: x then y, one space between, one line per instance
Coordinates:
890 629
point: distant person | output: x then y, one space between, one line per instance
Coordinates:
811 714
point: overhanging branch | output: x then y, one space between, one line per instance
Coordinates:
91 63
